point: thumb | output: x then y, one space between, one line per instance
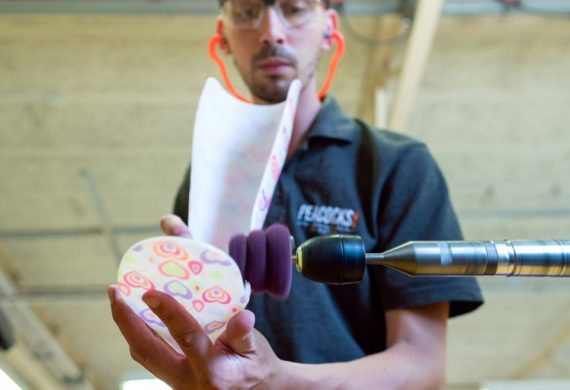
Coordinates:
239 336
173 225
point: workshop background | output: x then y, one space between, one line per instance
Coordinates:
97 100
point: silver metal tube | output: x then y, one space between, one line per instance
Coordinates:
509 258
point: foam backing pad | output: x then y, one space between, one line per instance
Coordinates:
201 277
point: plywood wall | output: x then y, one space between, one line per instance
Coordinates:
101 107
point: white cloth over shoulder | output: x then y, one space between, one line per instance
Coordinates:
238 151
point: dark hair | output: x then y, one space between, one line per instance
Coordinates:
325 2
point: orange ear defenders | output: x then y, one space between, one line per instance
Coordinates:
216 39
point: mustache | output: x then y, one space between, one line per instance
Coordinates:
274 51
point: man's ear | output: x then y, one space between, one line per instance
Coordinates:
331 25
224 46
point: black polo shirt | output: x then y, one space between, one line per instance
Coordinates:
381 185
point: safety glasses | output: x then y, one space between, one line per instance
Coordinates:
248 14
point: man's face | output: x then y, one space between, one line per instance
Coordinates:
274 52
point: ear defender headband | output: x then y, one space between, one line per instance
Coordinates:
337 36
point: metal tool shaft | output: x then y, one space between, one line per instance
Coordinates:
508 258
341 259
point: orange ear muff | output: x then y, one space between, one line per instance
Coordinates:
339 53
216 39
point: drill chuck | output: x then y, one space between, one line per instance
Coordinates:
332 259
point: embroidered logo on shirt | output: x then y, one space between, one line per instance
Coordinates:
327 219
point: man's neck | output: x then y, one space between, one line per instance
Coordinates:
307 109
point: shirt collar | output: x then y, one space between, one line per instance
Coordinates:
331 122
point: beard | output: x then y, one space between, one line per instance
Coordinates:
271 89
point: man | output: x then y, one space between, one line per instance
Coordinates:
387 332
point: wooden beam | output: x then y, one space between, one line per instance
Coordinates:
381 102
39 341
173 7
29 369
377 70
417 52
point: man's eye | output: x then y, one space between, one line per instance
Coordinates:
245 14
294 10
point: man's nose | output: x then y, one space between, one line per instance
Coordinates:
272 29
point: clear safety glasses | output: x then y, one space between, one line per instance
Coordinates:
248 14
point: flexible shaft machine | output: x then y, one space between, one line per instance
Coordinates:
341 259
265 257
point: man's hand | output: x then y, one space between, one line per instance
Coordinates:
173 225
241 358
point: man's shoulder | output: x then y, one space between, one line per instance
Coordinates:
392 147
381 139
387 139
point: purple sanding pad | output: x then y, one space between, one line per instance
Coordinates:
255 264
279 265
238 251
